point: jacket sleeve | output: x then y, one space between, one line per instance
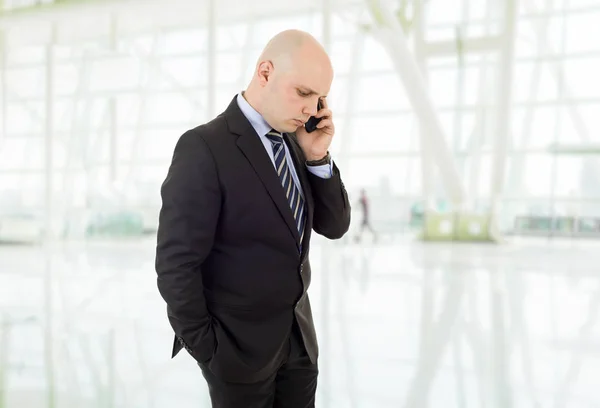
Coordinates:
332 207
191 203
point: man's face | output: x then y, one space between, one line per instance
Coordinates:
292 96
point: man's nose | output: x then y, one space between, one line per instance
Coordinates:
311 109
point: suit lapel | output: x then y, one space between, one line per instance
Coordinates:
251 146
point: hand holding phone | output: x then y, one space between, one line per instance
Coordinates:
315 141
311 124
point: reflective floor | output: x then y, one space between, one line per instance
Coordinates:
400 324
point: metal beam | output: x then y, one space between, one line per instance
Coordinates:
457 117
327 10
505 85
427 169
48 135
515 176
478 136
546 48
112 106
389 32
558 72
450 47
558 120
3 86
49 221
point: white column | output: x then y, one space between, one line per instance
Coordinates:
326 28
3 86
478 136
558 118
504 116
427 172
113 118
50 227
211 62
48 136
112 108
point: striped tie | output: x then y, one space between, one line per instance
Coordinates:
292 193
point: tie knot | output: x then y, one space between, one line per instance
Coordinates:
274 136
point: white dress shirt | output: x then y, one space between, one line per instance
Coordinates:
261 127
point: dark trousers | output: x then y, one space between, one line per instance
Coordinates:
292 386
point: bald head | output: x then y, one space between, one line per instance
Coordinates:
292 73
285 49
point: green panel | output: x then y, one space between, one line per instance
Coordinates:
473 228
439 227
456 227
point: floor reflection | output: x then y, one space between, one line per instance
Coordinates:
400 324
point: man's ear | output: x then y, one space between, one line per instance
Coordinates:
264 71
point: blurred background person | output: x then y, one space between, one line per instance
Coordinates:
365 220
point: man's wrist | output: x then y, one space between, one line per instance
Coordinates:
319 162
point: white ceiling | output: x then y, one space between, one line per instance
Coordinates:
92 17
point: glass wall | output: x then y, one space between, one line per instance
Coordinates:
114 93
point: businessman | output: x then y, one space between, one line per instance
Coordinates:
242 196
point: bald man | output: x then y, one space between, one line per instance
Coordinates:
239 203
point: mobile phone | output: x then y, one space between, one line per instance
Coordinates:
311 124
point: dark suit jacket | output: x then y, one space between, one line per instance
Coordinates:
227 256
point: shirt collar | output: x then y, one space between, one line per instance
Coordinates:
259 123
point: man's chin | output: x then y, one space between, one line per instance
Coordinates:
291 128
